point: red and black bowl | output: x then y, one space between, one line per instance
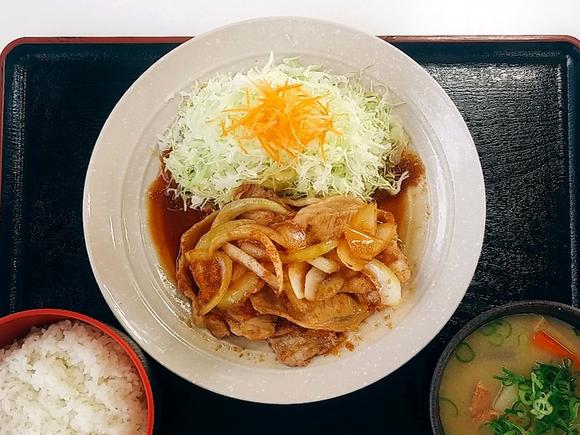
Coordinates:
18 325
557 310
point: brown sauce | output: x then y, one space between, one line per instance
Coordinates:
168 220
397 204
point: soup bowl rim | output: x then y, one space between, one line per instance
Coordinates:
551 308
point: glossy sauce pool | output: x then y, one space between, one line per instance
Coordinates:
412 164
168 220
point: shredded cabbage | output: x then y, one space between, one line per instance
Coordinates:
207 167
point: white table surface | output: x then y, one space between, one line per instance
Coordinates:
191 17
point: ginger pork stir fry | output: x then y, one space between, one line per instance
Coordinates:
299 274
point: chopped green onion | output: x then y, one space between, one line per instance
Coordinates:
497 331
509 378
525 394
574 411
504 426
547 402
449 402
464 352
541 406
496 339
488 329
504 328
536 382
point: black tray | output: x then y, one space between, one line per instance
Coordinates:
518 97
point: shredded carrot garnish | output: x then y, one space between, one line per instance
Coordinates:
284 119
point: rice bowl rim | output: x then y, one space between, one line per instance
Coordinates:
60 314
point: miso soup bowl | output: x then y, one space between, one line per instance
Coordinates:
557 310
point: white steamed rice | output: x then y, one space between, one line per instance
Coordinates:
69 378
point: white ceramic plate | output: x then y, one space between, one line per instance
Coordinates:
448 233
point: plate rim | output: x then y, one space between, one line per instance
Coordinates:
113 303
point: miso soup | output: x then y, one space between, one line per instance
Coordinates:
537 391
